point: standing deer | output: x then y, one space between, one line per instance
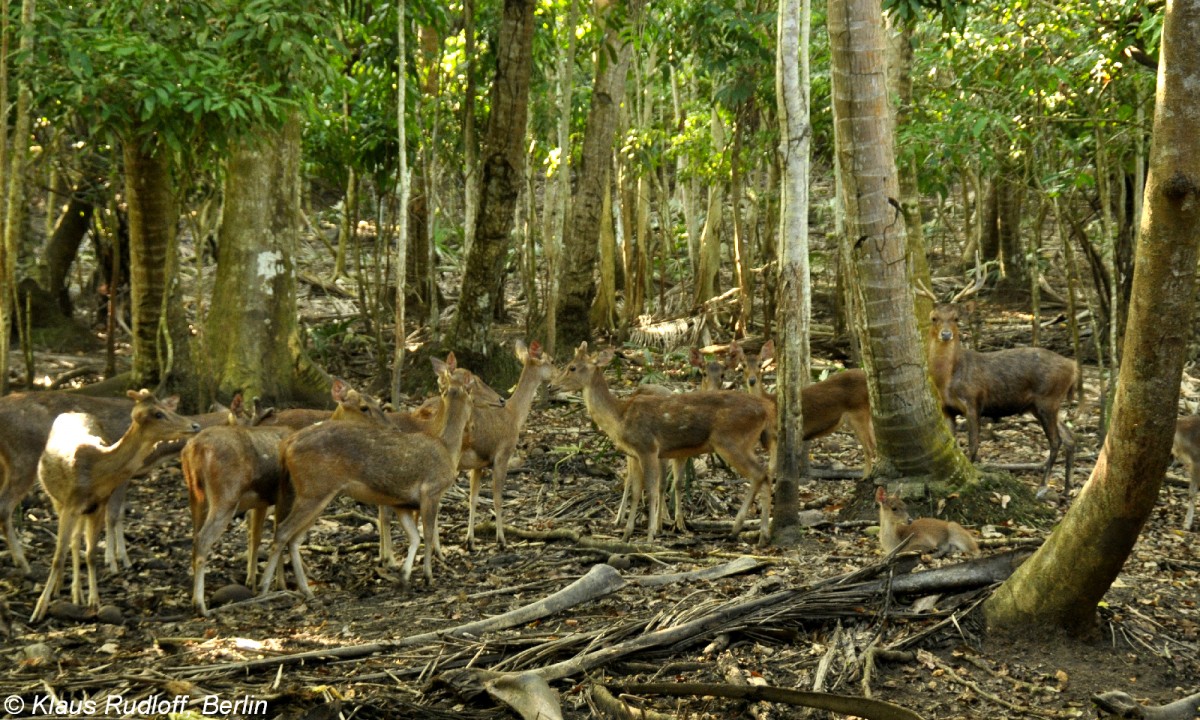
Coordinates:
373 463
841 397
79 472
1187 450
999 384
494 434
649 427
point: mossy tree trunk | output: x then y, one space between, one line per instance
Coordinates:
577 287
161 341
912 437
252 335
503 167
1061 585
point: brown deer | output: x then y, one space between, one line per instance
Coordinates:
999 384
25 422
79 471
922 535
843 396
1187 450
372 463
648 427
494 433
712 373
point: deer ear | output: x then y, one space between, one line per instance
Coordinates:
694 357
767 352
339 390
969 306
171 403
451 361
439 367
880 494
604 357
521 351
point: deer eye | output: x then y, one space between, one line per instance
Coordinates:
159 415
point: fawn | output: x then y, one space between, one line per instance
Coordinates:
79 472
999 384
1187 450
647 427
921 535
373 463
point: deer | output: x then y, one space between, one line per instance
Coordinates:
648 427
1186 449
494 434
79 471
712 372
25 422
372 463
897 530
230 469
1000 384
825 405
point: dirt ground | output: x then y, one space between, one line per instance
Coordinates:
560 504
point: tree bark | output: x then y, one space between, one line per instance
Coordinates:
1060 586
795 291
503 167
577 287
161 342
62 247
252 335
911 434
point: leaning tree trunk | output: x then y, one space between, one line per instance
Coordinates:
795 291
1061 585
911 434
577 288
252 336
161 345
62 247
503 167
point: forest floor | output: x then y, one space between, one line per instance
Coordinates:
795 618
560 504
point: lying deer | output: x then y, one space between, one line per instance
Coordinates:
79 472
372 463
648 427
842 396
1187 451
922 535
999 384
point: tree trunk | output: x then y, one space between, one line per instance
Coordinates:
577 286
252 335
900 88
62 248
556 186
710 236
403 188
1062 583
795 291
161 344
470 151
12 188
503 166
909 429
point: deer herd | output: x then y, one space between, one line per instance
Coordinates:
84 450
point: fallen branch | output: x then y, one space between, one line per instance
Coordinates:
844 704
959 577
738 566
1122 704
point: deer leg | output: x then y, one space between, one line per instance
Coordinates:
215 524
68 524
499 474
629 481
1050 425
387 554
254 527
76 574
476 480
114 529
16 478
864 430
678 477
973 434
748 467
636 483
652 477
408 521
303 514
1192 487
92 525
1068 439
429 508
